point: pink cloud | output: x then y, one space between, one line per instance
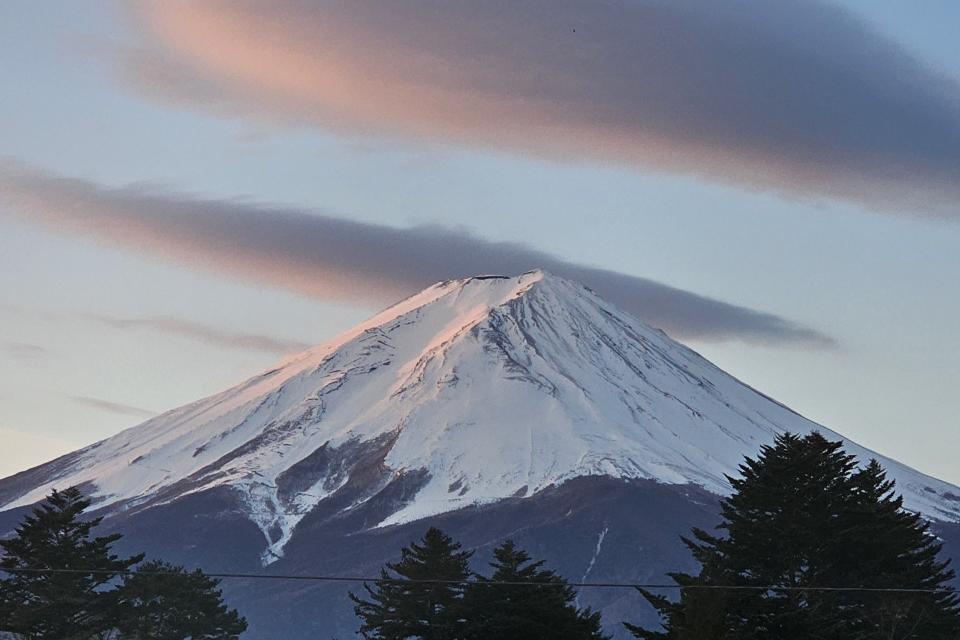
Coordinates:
796 96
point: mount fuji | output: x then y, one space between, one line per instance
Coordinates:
490 406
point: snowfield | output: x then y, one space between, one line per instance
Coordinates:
487 388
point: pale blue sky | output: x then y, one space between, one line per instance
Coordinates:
882 283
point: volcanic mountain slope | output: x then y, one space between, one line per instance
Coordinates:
471 397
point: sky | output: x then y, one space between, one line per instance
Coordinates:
191 191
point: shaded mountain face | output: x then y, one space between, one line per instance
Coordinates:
493 406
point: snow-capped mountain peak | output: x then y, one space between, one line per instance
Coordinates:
469 392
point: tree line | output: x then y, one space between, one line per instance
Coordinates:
811 546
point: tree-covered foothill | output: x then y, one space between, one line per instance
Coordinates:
59 582
803 519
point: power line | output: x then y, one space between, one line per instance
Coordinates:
497 583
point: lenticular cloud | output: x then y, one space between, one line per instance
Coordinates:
798 96
333 258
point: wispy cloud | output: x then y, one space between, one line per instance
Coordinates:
328 257
171 325
112 407
22 350
797 96
204 333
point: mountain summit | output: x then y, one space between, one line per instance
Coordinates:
470 392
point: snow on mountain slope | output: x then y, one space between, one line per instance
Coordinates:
492 386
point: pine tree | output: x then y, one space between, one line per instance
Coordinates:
803 516
164 602
888 547
56 574
495 608
397 609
